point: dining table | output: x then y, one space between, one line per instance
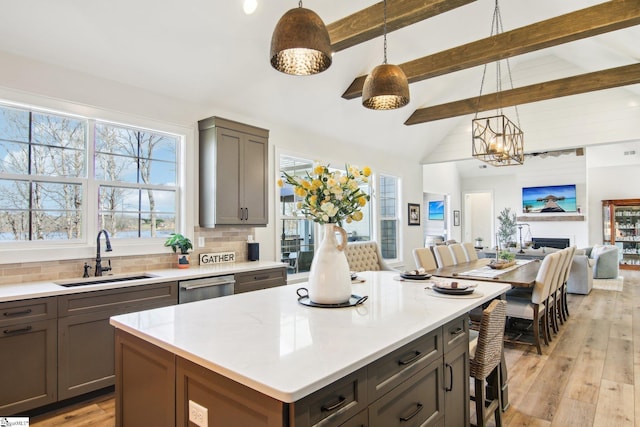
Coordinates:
521 275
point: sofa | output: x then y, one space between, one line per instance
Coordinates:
597 262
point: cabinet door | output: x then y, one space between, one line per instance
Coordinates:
85 354
228 170
456 386
260 279
254 180
27 366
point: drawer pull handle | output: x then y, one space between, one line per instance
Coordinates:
450 386
413 414
456 331
17 313
332 406
410 360
17 331
260 277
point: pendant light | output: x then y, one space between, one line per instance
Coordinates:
300 43
386 87
496 140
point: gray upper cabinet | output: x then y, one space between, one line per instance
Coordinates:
233 173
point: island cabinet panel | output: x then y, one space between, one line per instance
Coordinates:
86 339
27 354
145 386
334 404
233 173
456 371
228 403
261 279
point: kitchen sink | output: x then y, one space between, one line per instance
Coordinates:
104 279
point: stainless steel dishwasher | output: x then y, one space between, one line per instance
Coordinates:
208 287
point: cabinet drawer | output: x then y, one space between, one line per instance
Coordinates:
456 333
335 403
360 420
389 371
261 279
419 401
29 310
119 300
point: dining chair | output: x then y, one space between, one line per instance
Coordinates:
457 252
535 308
365 256
485 356
424 258
552 307
569 263
443 256
470 251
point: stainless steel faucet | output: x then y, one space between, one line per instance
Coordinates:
99 268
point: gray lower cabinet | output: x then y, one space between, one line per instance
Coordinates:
86 339
27 354
261 279
233 173
423 383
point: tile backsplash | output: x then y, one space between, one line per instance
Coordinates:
220 239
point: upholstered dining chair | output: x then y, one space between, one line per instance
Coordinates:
567 271
457 251
424 258
443 256
535 308
365 256
470 251
485 356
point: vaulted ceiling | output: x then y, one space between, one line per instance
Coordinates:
209 53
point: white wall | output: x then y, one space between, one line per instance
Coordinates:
443 178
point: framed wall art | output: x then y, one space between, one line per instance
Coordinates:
414 214
456 218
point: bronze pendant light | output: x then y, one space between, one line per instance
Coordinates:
300 43
496 140
386 87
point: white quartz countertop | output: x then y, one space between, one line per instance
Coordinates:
20 291
268 341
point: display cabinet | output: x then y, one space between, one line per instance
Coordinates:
621 227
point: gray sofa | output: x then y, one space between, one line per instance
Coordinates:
597 262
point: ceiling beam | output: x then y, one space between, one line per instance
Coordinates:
599 80
367 24
602 18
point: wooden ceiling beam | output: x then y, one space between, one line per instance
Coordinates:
599 80
599 19
367 24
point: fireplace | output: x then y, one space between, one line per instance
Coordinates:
550 242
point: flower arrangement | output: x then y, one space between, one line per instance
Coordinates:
330 197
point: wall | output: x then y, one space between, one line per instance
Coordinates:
31 82
443 178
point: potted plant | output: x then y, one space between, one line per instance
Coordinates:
178 241
507 227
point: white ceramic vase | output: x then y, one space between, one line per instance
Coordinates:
329 277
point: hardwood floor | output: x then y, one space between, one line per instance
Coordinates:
588 376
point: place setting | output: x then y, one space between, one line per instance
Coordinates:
453 289
419 275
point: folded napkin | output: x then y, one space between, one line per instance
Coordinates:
452 285
419 272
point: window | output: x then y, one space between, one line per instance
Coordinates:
389 212
52 180
42 175
136 171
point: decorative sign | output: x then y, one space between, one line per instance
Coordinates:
217 258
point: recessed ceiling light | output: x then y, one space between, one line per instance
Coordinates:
249 6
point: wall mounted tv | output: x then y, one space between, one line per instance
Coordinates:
549 199
436 210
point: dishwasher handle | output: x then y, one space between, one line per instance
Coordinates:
205 283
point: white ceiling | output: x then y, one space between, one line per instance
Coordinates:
211 54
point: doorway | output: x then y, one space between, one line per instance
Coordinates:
478 218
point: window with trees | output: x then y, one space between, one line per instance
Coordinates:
53 178
389 216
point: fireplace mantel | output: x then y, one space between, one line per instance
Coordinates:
546 217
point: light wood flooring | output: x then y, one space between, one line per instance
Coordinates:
588 376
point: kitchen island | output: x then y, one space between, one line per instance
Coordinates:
262 358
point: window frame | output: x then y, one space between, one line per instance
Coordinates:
186 201
397 218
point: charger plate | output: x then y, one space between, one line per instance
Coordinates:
304 299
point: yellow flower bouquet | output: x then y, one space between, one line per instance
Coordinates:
330 197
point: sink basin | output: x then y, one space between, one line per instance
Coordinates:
104 279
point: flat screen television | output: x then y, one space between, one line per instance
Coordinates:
436 209
549 199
